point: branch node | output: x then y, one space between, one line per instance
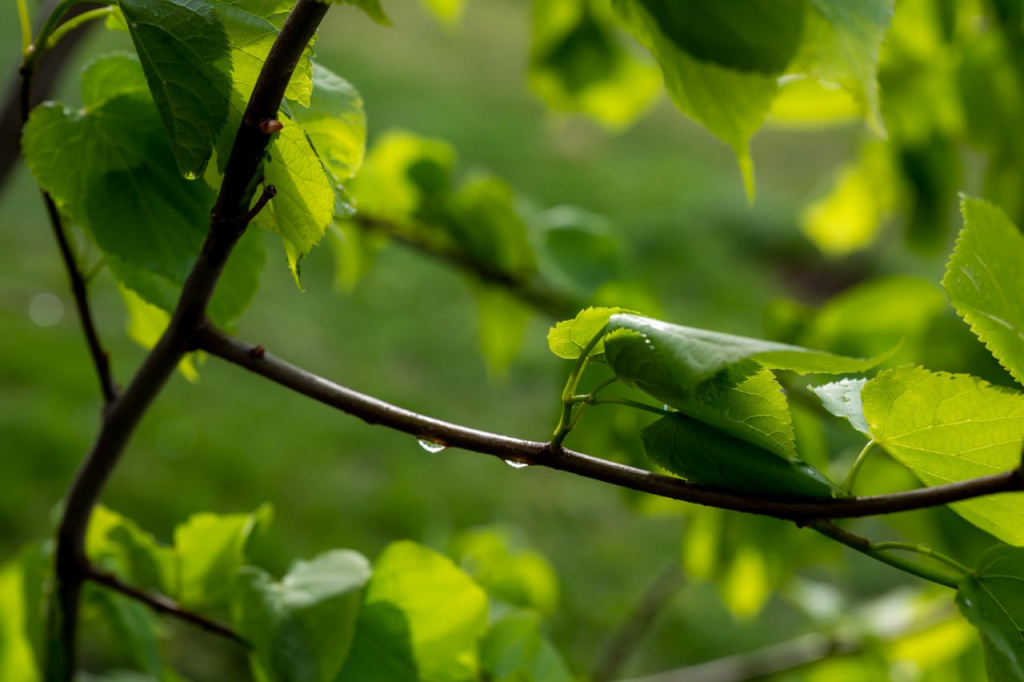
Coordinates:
257 352
269 126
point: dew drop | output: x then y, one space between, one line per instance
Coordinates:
431 446
515 464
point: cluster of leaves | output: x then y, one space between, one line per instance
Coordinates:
727 422
413 614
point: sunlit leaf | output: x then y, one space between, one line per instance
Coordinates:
448 11
952 427
421 619
983 279
569 338
302 627
335 122
993 601
842 398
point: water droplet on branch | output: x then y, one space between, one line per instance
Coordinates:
431 446
516 464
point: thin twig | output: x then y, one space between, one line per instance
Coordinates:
123 415
164 605
528 289
625 641
374 411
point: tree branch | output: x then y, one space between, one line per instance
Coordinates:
529 290
122 416
624 642
100 357
374 411
164 605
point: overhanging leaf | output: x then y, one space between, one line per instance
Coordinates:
952 427
992 599
984 279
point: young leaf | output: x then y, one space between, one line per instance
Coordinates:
210 550
568 338
578 64
842 398
984 278
515 650
991 598
304 205
421 619
705 455
952 427
302 627
182 46
692 356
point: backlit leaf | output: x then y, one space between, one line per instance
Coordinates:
568 338
421 619
984 279
335 122
842 398
952 427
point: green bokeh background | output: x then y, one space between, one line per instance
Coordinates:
408 335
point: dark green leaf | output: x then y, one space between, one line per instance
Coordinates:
992 598
182 45
703 454
745 35
421 619
301 628
984 279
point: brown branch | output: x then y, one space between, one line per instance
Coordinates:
100 357
374 411
530 290
122 416
625 641
164 605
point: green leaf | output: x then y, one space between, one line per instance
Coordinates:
515 575
745 35
501 326
952 427
705 455
421 619
302 627
392 182
21 618
695 355
841 44
448 11
372 9
842 398
110 167
119 545
569 338
335 122
182 44
132 626
984 278
211 549
578 64
578 250
481 219
515 650
304 205
731 104
992 600
147 323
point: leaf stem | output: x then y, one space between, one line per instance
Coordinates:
71 24
868 548
38 47
857 465
636 404
923 550
26 25
565 419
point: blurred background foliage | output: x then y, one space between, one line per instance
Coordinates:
842 250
